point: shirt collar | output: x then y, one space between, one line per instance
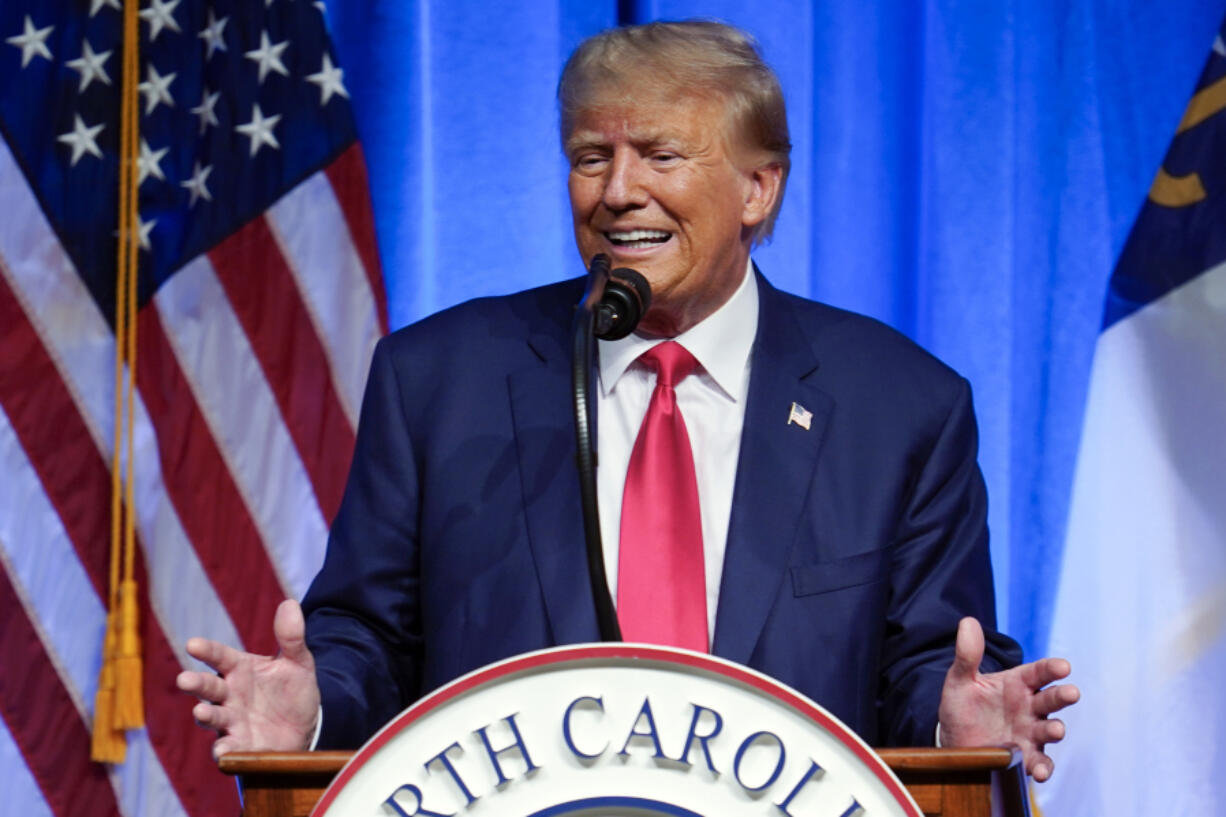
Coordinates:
721 342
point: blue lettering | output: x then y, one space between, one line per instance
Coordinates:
684 757
418 808
740 754
517 743
811 774
650 733
566 735
441 757
853 809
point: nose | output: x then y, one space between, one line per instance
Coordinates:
625 185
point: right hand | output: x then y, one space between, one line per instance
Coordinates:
257 702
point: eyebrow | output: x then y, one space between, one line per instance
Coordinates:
593 139
582 139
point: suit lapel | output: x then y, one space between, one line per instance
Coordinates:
544 433
774 472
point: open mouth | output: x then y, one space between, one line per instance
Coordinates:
637 239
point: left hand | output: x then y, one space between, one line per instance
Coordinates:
1010 706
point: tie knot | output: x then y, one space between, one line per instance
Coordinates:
671 361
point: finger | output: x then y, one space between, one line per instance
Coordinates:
217 655
289 627
225 745
968 649
1053 699
211 716
1040 766
203 685
1040 673
1049 731
188 681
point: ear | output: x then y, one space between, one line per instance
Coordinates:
762 191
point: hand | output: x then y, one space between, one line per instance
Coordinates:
1003 707
257 702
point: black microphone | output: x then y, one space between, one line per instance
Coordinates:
626 299
610 309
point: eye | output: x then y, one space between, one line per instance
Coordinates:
589 162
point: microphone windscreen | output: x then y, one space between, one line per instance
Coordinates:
637 282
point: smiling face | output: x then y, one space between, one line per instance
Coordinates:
658 187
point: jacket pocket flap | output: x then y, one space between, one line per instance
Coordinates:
835 574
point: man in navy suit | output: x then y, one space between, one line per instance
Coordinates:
843 514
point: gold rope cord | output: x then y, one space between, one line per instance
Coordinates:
118 704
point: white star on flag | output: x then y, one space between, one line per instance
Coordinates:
143 229
160 15
197 184
32 42
149 163
96 5
329 81
205 110
90 66
259 129
268 55
156 88
82 140
212 35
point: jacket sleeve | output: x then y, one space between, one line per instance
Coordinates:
940 571
363 619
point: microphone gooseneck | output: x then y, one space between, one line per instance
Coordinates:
611 308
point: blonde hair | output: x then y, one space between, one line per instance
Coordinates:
685 59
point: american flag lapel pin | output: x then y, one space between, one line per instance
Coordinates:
801 416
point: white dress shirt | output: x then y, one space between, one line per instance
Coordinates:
712 401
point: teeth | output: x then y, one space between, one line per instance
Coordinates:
639 238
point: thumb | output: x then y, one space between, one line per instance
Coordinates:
968 650
289 628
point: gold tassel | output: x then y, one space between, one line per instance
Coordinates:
107 744
118 704
129 712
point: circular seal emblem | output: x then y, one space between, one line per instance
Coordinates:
615 730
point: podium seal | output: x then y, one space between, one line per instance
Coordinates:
615 730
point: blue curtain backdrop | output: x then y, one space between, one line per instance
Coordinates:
965 171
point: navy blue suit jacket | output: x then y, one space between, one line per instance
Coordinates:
853 546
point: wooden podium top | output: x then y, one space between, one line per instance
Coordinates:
944 782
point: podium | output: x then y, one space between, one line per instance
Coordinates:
567 709
943 782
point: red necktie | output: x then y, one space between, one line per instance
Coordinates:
661 585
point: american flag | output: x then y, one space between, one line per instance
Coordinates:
801 416
260 302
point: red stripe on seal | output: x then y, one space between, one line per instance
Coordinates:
265 297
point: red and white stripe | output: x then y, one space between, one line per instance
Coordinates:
251 365
21 789
241 414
